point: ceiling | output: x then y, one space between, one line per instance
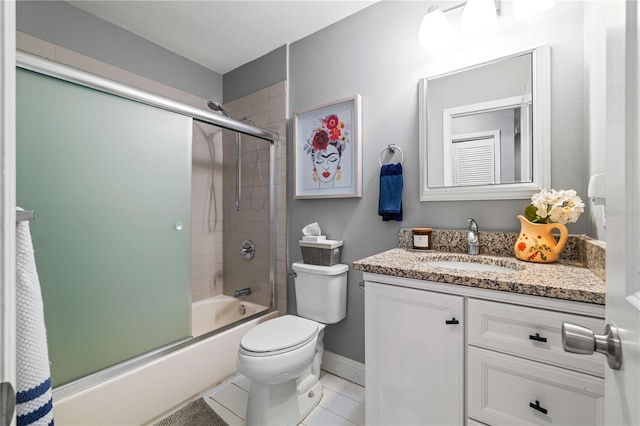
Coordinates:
222 35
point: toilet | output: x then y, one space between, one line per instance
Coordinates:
282 356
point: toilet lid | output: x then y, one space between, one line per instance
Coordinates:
279 333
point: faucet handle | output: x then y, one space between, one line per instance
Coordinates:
473 226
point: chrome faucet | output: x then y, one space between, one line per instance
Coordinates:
472 237
242 292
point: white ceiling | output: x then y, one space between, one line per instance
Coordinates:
222 35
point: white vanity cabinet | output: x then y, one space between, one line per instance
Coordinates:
414 356
502 364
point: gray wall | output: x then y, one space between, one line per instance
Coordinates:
60 23
263 72
376 53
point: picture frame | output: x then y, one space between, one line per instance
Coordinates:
327 156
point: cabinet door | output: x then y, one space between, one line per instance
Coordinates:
413 358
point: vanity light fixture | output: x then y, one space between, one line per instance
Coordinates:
478 16
525 8
435 32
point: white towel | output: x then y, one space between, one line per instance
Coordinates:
33 399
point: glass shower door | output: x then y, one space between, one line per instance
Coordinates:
110 182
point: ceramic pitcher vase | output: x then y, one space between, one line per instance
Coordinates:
536 243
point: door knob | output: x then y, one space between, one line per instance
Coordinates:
581 340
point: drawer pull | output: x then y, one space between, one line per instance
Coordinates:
452 321
537 338
537 406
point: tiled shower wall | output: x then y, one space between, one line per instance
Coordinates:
206 212
267 108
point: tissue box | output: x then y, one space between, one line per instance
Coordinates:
314 238
321 253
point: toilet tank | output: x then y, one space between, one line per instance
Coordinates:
321 291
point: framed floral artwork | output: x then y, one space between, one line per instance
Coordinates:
328 150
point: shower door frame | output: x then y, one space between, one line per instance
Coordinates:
62 72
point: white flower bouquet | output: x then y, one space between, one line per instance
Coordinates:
554 206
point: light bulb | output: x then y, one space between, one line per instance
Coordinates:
524 8
435 33
478 16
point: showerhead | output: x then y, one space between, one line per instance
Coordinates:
247 120
214 106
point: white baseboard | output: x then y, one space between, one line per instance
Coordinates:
343 367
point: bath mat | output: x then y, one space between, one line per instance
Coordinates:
195 413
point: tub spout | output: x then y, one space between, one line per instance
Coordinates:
242 292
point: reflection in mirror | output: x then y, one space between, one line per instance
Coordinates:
484 130
489 143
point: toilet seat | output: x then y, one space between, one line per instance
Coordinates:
279 335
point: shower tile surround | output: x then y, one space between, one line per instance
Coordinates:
267 108
578 275
206 214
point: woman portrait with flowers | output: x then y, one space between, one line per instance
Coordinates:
328 153
325 147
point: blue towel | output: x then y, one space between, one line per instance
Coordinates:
390 200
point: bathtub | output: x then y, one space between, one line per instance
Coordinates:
144 394
219 311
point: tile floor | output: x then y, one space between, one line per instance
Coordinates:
342 402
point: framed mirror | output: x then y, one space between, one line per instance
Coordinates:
485 130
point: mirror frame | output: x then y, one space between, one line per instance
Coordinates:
541 129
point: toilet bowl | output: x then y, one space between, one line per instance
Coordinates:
282 356
267 356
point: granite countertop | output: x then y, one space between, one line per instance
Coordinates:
566 279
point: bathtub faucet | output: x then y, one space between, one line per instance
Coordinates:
242 292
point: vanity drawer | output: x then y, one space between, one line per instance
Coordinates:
530 333
503 390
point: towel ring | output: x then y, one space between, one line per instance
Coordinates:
392 147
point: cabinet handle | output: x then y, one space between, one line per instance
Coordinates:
452 321
537 338
537 406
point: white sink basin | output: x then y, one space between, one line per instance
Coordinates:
469 266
